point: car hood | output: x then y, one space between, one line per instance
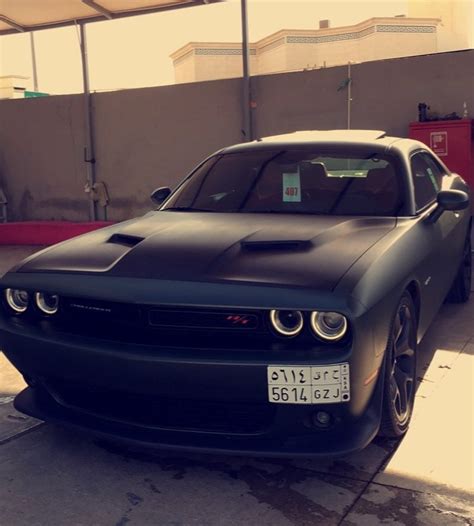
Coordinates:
276 249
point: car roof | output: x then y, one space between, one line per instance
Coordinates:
325 135
350 138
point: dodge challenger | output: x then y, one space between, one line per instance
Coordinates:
272 304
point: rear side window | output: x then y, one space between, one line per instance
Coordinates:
427 179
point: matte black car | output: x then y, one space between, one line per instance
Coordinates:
272 304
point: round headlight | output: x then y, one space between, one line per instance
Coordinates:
47 303
17 300
287 322
330 326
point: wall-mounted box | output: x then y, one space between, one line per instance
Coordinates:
452 141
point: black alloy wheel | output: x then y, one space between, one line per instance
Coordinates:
400 370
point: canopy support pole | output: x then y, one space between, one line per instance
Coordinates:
89 153
246 87
33 61
349 95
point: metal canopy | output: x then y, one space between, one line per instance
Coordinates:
32 15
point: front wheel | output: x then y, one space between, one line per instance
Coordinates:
400 370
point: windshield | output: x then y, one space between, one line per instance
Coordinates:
293 182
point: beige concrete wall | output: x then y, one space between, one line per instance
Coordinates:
290 56
376 46
272 59
463 25
331 53
392 45
210 67
185 69
198 68
457 16
300 49
153 137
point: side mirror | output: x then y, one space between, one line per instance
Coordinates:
160 194
450 200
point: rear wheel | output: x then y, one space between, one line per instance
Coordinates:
400 370
461 288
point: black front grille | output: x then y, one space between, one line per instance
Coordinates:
162 412
196 319
173 327
176 327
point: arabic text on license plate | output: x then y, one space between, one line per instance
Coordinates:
321 384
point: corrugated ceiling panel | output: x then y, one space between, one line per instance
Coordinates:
33 14
116 6
37 12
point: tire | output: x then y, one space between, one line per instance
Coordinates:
400 370
461 287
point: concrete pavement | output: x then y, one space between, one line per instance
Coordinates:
51 476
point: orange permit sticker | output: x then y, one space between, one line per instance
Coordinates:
291 188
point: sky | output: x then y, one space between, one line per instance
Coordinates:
134 52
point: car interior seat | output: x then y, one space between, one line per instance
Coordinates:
318 189
377 194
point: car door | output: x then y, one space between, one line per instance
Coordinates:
445 236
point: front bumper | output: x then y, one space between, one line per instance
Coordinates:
322 443
116 391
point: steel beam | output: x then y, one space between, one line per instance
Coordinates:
97 7
12 23
349 95
246 86
33 61
89 150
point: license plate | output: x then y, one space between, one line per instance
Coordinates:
320 384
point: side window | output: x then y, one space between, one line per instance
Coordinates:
436 169
426 179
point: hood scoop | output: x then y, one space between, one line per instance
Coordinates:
125 240
287 244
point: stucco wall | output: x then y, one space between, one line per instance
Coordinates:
272 59
41 157
299 49
145 138
375 46
152 137
185 69
392 45
208 67
385 94
457 28
198 68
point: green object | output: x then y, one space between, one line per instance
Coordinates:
32 94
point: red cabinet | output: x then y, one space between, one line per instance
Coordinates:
452 141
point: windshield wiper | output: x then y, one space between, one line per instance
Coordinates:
187 209
308 212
